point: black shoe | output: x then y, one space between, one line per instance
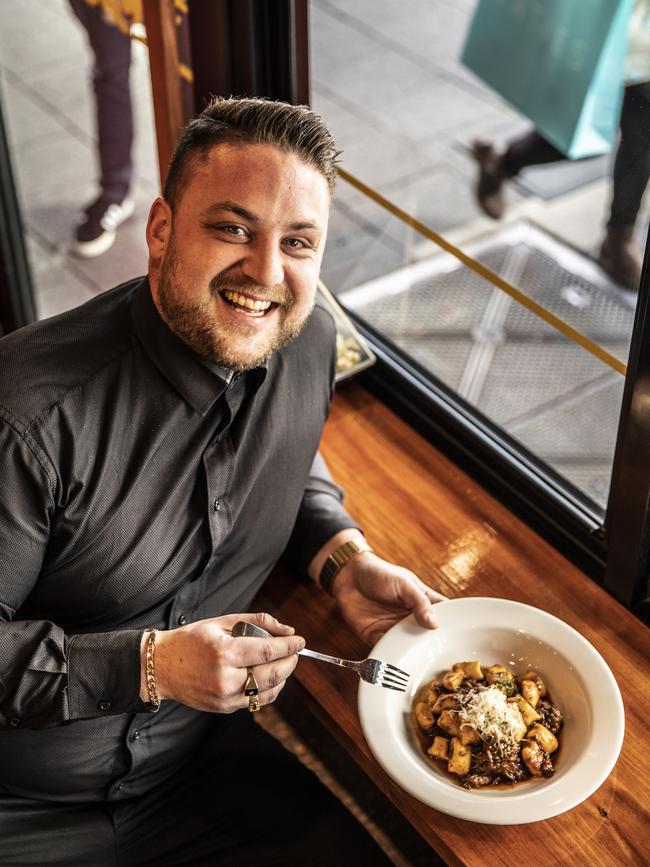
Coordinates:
620 257
489 187
96 232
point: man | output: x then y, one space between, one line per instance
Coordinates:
158 451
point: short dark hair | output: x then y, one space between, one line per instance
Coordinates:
253 120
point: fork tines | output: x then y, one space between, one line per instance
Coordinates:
392 677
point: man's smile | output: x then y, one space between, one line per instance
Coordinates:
246 304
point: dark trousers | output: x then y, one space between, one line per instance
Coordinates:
112 61
631 166
242 801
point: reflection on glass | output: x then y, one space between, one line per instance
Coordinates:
454 145
77 102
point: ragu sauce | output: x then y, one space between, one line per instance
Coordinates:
486 727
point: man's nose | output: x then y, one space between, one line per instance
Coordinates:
263 264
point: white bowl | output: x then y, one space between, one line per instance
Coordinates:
498 630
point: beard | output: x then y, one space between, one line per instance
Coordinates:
231 344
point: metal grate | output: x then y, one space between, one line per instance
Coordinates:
560 401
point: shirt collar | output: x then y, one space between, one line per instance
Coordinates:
199 382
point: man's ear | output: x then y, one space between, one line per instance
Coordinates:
159 227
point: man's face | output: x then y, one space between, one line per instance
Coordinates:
234 270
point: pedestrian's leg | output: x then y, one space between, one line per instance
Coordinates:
112 61
111 48
632 164
619 255
531 149
494 168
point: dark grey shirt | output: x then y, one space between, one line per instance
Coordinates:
138 488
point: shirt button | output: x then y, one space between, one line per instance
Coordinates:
182 620
217 504
14 722
136 735
104 704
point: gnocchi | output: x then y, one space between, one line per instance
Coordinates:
487 726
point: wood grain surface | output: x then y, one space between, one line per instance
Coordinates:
421 511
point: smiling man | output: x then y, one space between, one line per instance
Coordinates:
239 259
158 450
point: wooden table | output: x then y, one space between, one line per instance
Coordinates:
422 511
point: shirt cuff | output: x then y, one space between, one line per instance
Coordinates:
321 516
104 673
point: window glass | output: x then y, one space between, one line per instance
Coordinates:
463 232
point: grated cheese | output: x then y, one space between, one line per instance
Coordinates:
492 716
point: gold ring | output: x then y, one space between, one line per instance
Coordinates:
251 689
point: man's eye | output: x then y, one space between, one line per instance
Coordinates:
230 229
297 243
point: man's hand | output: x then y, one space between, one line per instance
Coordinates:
374 595
201 666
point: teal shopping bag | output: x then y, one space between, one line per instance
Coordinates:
559 62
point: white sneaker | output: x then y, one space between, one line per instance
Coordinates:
96 232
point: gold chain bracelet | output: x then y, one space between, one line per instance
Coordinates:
150 670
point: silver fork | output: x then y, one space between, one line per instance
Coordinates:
371 670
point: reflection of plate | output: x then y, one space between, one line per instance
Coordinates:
352 353
498 630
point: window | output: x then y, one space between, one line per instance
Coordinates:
506 338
